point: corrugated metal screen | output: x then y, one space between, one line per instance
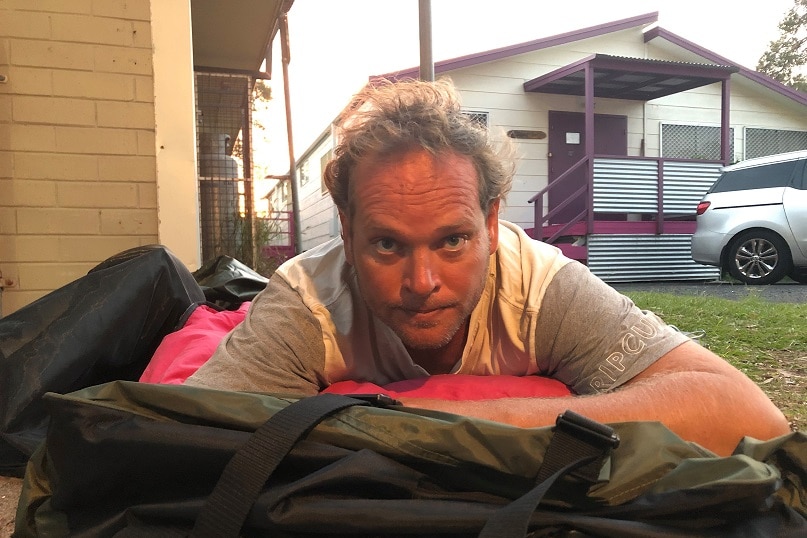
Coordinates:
631 186
637 258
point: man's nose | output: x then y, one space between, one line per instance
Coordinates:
422 277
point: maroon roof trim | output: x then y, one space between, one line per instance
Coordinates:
756 76
529 46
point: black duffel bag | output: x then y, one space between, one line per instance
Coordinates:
103 326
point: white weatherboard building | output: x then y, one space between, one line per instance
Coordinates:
663 114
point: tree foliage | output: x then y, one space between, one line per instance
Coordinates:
786 57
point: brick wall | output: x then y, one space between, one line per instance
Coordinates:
77 152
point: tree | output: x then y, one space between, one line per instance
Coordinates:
786 57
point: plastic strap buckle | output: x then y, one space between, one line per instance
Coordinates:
578 438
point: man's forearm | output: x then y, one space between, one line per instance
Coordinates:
714 406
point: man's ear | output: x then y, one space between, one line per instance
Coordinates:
344 223
492 224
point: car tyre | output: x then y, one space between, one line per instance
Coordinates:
799 275
758 257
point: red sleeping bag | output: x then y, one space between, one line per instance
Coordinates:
182 352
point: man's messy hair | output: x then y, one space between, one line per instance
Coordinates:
387 118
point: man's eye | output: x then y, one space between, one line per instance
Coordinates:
454 242
385 245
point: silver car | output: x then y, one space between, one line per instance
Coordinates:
752 223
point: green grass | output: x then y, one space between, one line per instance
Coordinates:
766 340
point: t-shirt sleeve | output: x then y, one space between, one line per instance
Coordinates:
278 348
593 338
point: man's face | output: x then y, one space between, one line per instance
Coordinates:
420 243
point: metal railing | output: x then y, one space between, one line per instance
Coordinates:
664 188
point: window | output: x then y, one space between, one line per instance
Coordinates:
700 142
758 177
323 161
304 174
762 142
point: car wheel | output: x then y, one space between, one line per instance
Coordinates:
758 257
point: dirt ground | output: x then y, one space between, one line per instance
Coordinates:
9 493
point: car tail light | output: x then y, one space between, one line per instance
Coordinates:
702 207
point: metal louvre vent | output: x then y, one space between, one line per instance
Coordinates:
663 257
693 142
762 142
479 117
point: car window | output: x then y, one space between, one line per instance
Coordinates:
758 177
802 182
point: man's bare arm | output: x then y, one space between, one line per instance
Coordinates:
691 390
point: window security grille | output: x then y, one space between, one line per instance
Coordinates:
701 142
223 120
762 142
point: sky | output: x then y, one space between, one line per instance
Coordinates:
337 45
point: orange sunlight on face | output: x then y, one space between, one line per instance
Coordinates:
420 244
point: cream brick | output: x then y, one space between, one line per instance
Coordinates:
5 109
50 276
26 24
122 60
125 9
55 6
29 248
4 55
91 29
29 138
101 195
30 81
141 34
56 166
94 249
144 89
6 164
147 195
51 54
123 168
117 114
58 221
128 221
54 110
14 299
93 85
27 193
8 219
149 240
145 143
96 140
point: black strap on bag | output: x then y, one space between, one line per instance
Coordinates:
226 508
579 447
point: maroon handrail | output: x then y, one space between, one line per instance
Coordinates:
538 200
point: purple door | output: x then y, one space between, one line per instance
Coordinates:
567 145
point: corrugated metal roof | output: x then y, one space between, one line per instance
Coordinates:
620 77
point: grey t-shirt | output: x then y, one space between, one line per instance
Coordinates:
540 314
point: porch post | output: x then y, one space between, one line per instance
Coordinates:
725 129
589 147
